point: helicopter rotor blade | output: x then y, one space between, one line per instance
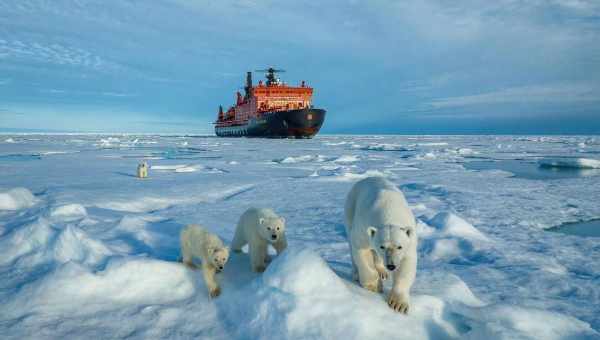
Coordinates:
270 70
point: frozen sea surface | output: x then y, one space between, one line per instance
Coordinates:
88 250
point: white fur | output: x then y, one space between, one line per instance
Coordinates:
377 215
142 170
256 228
197 242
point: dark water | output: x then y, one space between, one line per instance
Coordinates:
583 228
20 157
530 170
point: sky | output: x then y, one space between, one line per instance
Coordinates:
380 66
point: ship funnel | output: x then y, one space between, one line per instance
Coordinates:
248 85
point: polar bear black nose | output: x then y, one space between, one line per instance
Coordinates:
391 267
274 237
220 267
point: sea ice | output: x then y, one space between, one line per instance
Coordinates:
93 252
577 163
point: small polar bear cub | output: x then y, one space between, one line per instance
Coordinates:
197 242
142 170
258 228
381 231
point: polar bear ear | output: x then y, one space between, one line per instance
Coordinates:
261 221
371 231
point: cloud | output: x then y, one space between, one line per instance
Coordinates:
88 93
539 94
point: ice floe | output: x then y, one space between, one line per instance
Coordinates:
576 163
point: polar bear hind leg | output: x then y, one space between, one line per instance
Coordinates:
186 253
239 239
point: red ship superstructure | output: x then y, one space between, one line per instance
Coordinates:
272 109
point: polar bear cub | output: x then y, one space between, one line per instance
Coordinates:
381 231
258 228
198 242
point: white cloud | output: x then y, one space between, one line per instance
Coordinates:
539 94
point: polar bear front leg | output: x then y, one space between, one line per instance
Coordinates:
258 253
208 271
379 266
367 275
399 298
281 244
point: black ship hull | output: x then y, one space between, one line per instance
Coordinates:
302 123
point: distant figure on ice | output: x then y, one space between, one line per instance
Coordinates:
198 242
258 228
142 170
381 231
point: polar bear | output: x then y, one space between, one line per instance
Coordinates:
381 231
198 242
142 170
258 228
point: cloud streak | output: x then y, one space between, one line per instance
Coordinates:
542 94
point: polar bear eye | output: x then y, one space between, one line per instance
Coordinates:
408 232
382 247
399 247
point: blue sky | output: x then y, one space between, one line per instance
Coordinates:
382 66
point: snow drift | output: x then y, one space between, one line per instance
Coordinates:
16 199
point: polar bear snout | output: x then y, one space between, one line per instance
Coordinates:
274 237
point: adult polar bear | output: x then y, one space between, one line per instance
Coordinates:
381 232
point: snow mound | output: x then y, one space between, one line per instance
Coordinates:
69 212
26 240
515 322
450 224
427 156
385 147
576 163
39 242
347 159
301 159
141 205
449 237
300 297
346 176
16 199
123 282
9 140
179 168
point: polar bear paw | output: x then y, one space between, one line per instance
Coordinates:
383 274
398 302
214 292
372 286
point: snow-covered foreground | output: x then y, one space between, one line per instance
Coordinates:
88 250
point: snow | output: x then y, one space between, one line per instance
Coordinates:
69 211
16 199
93 253
576 163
